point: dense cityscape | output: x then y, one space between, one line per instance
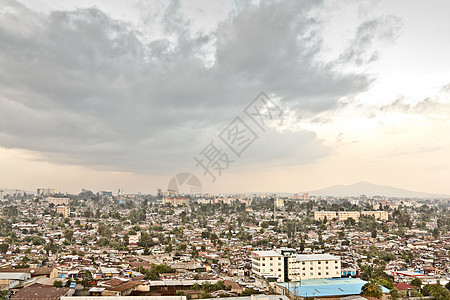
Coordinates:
233 149
204 246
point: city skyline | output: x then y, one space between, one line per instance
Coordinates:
107 95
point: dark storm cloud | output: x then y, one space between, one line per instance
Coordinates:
80 87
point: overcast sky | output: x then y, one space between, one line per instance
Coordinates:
104 94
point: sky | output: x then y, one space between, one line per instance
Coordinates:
103 95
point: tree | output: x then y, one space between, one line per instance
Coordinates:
86 278
58 283
394 294
68 235
436 233
10 211
146 240
372 289
104 231
4 248
439 292
374 234
68 283
416 282
426 290
3 294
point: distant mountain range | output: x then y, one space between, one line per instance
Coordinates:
369 189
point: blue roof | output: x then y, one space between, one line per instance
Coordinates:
326 287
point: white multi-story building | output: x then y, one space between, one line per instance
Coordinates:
64 210
345 215
313 266
378 214
279 202
320 215
268 265
284 265
57 201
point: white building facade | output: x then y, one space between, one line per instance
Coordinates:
284 265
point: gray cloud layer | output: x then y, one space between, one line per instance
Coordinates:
80 87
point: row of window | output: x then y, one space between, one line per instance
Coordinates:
311 268
312 262
271 270
271 264
312 273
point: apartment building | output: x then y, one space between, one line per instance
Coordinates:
345 215
313 266
320 215
284 265
279 202
268 265
64 210
176 201
57 201
378 214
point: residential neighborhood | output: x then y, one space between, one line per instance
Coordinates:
100 244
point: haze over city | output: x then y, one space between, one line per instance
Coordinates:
124 94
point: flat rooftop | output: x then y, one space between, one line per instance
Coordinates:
269 253
312 257
326 287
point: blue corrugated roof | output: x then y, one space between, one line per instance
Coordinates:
327 287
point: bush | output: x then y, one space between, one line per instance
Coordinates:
58 284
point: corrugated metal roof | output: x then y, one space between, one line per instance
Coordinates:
327 287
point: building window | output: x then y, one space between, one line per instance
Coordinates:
271 264
320 273
327 273
303 268
279 264
311 268
319 262
303 263
326 262
271 258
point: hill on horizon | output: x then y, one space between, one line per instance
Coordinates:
369 189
